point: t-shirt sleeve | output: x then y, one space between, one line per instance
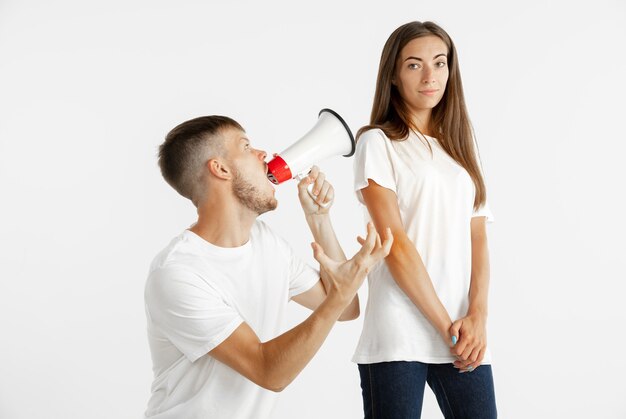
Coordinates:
301 276
484 211
192 314
372 161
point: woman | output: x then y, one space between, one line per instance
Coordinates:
417 172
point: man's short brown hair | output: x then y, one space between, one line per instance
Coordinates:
187 148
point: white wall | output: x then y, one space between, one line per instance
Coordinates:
88 91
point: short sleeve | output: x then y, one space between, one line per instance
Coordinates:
190 313
484 211
283 262
372 161
302 277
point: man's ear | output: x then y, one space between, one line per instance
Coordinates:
219 169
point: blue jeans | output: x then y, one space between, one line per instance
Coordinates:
395 390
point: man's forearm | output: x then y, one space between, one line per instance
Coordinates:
324 234
286 355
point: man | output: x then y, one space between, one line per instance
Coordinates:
216 295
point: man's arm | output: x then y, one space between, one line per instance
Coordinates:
318 220
275 363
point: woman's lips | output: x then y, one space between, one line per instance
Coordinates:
428 92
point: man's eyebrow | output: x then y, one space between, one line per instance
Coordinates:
419 59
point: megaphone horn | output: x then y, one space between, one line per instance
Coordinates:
330 136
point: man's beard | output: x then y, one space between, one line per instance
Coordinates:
250 196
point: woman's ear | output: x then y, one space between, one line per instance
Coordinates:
219 169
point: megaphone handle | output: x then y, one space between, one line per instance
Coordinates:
309 189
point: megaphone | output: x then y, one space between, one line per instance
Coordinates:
330 136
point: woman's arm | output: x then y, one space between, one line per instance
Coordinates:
404 262
472 329
479 286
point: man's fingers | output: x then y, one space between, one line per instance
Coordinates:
319 183
384 248
388 242
314 172
320 256
370 241
378 244
308 179
322 197
303 184
371 246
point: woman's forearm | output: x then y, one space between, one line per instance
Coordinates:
479 285
409 272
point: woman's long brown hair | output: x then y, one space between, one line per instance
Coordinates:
449 120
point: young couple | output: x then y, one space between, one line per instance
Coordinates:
217 294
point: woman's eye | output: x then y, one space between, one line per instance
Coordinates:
414 66
441 64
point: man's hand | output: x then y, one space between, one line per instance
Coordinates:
275 363
322 190
345 278
471 332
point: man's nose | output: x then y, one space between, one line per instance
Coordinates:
262 154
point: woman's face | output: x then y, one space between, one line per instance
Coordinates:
422 73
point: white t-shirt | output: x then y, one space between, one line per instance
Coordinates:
196 295
436 199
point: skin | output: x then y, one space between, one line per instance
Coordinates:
225 218
421 77
472 329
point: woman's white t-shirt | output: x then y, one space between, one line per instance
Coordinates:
436 199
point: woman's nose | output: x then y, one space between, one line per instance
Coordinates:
428 76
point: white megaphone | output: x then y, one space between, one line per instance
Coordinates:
330 136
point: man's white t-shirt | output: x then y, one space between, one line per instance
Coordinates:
196 295
436 198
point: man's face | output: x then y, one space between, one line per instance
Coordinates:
250 183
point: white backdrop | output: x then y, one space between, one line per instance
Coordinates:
88 91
